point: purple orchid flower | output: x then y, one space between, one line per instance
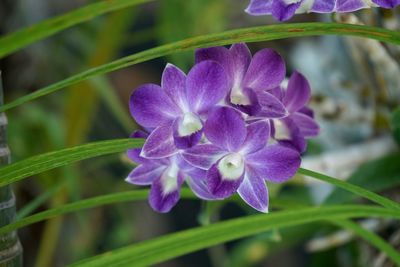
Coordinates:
176 109
299 125
285 9
250 77
239 159
166 176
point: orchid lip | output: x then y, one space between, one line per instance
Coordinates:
281 130
189 124
169 179
231 166
238 97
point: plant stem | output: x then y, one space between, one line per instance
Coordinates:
10 247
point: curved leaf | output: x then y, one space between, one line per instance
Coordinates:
170 246
22 38
352 188
44 162
255 34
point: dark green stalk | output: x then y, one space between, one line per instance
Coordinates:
10 247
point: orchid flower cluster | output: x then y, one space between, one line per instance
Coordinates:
285 9
227 126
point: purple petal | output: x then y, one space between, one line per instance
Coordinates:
296 140
253 191
219 54
257 137
174 84
251 109
197 182
145 174
203 156
350 5
283 11
164 193
151 107
298 92
241 58
206 85
259 7
160 143
220 186
307 111
323 6
186 141
225 128
274 163
271 107
308 126
134 154
266 71
387 3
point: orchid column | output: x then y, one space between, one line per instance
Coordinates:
10 247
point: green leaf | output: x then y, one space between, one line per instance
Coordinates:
385 202
255 34
395 121
370 237
22 38
44 162
154 251
375 176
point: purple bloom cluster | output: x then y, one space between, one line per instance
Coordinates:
285 9
227 126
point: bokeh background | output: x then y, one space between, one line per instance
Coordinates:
355 84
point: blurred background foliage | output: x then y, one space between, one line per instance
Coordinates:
356 88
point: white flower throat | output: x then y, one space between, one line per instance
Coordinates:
169 179
238 97
189 124
231 166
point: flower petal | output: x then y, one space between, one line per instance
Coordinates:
203 156
308 126
160 143
282 11
266 70
295 139
271 107
253 191
206 85
241 58
225 128
186 141
220 186
257 137
387 3
298 92
259 7
145 174
134 154
164 193
173 82
274 163
151 107
197 183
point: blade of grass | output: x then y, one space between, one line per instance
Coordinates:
370 237
385 202
44 162
22 38
157 250
255 34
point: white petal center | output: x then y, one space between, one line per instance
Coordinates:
169 179
281 130
231 166
189 124
238 97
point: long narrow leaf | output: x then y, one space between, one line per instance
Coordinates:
255 34
370 237
352 188
44 162
22 38
167 247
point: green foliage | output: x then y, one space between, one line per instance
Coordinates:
255 34
169 246
44 162
396 124
376 175
31 34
